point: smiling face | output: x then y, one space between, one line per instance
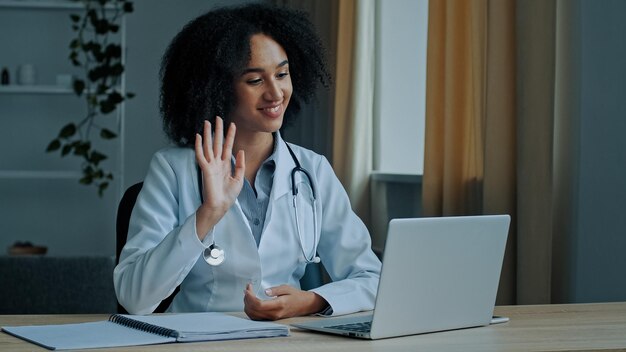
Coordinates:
263 88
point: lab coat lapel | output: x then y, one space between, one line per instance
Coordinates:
282 174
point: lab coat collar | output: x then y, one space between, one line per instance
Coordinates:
284 165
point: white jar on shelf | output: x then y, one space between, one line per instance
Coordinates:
26 75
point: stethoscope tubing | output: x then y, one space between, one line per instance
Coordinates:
214 255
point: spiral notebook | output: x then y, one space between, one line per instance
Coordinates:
134 330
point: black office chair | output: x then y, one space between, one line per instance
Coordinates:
312 278
121 228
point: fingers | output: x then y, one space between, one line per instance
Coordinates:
213 145
282 306
200 159
280 290
230 140
208 153
240 166
218 138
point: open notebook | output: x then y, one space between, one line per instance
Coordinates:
135 330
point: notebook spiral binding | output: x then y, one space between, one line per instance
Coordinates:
134 324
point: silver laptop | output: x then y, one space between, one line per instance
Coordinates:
438 274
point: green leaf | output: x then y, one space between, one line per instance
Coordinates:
101 26
74 44
66 149
107 106
128 7
115 98
96 157
97 73
54 145
82 148
86 180
102 88
93 47
75 17
113 51
68 130
117 69
93 16
107 134
102 187
79 86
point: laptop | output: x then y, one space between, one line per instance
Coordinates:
438 274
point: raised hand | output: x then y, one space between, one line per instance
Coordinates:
220 186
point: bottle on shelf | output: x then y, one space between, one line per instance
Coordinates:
5 77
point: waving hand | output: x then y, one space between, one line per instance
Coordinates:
220 185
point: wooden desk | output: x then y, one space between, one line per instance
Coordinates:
600 326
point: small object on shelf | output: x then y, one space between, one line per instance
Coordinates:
26 75
26 248
5 77
65 80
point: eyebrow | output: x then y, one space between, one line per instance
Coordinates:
260 70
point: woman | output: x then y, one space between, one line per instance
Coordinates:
225 228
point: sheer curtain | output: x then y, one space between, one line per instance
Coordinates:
354 101
492 127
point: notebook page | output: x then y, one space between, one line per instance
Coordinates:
85 335
213 326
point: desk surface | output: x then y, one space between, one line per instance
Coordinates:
599 326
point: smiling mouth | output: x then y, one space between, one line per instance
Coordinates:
273 109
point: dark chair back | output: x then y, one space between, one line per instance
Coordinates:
121 228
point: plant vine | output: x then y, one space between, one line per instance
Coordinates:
100 58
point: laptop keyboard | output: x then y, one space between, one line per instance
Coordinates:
365 326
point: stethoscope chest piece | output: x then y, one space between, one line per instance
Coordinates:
213 255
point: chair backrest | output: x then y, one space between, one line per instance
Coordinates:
127 203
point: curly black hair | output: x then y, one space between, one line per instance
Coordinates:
200 65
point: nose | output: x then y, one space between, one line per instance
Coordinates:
274 91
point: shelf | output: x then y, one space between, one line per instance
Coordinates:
44 4
36 174
395 177
35 89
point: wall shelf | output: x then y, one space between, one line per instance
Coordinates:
39 174
35 89
44 4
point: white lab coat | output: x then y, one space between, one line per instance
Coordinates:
163 249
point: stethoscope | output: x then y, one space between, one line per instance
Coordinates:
214 255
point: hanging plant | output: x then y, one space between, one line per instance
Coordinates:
100 58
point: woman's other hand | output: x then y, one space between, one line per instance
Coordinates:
288 302
220 186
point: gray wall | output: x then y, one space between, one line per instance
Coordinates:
599 259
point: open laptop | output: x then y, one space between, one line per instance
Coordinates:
438 274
